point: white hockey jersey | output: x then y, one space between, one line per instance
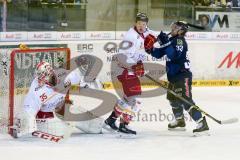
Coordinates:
133 46
46 98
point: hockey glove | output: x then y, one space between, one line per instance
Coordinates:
138 69
162 38
149 42
67 84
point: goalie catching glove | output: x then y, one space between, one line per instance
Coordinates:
149 42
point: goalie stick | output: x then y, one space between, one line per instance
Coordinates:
54 138
44 134
227 121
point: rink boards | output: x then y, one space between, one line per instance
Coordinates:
215 57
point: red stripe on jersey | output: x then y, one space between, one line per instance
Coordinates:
187 87
141 34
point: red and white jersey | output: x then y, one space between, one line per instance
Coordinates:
46 98
133 45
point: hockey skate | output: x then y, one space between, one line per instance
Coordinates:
123 128
110 125
202 128
15 132
177 125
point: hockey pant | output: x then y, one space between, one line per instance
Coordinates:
182 86
128 105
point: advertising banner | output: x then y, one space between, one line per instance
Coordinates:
219 21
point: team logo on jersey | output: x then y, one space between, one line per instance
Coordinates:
179 46
179 42
37 88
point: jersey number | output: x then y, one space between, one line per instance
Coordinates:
43 97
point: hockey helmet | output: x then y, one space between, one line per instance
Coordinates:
181 25
44 72
141 17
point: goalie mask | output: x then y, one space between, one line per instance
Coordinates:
45 73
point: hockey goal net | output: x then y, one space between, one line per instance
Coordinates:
17 70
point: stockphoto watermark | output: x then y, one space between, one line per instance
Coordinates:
90 66
157 116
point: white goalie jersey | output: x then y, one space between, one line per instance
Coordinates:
46 98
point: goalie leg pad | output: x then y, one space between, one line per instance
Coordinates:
24 123
52 125
91 127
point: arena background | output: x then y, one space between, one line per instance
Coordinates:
86 26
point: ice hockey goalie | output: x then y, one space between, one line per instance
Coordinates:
46 94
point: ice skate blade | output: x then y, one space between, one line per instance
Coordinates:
15 133
178 129
126 135
200 134
108 128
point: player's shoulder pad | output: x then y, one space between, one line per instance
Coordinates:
130 34
154 33
35 85
37 88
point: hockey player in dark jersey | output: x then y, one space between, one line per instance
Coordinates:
178 74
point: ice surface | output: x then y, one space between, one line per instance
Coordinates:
153 142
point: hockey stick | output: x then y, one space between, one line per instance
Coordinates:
227 121
55 138
196 26
47 136
193 25
67 131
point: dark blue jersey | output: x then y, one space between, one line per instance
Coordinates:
177 61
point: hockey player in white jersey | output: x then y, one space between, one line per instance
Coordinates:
46 94
130 61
